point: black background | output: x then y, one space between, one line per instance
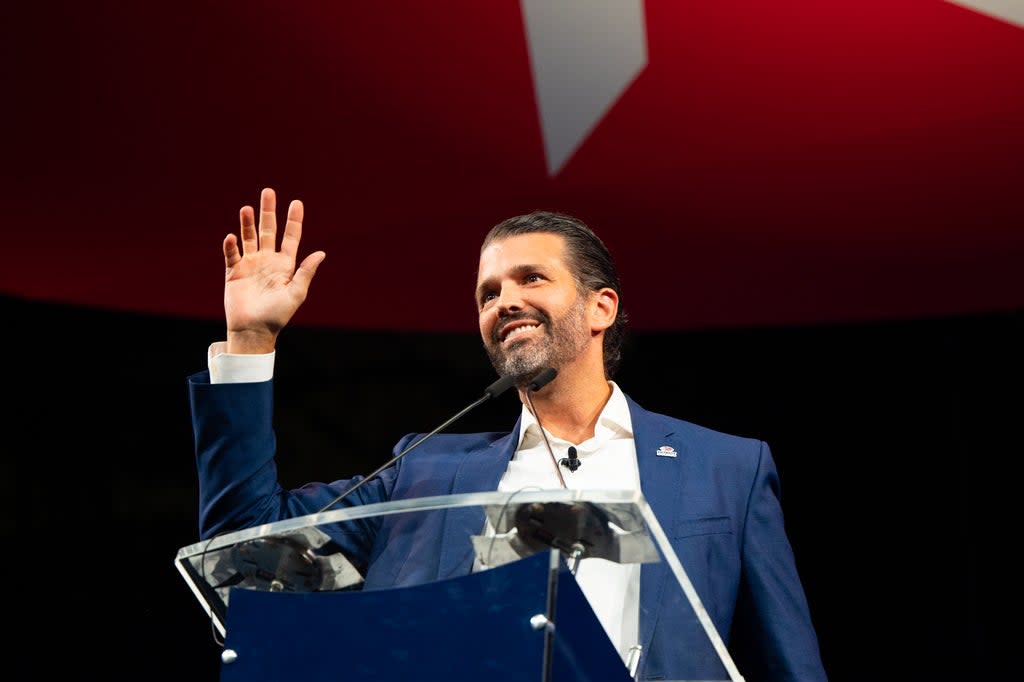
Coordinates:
897 446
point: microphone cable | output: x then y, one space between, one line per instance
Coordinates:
539 382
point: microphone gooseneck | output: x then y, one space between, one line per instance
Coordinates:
492 391
542 379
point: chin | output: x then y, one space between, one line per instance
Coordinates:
524 366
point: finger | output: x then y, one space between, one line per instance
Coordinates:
268 220
304 274
248 222
293 230
231 253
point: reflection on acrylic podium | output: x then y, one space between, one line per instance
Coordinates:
289 605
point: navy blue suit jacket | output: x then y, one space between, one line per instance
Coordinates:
717 500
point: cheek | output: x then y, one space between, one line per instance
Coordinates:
486 324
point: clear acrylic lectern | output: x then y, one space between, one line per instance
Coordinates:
290 604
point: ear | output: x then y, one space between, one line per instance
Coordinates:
604 306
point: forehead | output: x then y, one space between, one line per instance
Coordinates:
541 249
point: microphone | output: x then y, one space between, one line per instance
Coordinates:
543 378
572 462
492 391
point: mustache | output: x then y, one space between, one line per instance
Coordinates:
538 317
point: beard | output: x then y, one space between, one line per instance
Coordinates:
563 341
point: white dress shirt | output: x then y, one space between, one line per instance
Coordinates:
607 462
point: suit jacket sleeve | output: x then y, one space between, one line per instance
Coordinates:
773 636
235 447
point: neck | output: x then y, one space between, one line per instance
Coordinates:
569 406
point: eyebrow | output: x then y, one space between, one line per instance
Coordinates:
516 271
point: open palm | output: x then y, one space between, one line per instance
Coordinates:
262 287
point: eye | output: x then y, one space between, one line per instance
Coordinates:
533 277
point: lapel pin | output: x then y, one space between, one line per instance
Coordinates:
666 451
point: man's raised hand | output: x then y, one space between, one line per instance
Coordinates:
262 287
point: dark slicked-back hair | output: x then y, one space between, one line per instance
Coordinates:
588 259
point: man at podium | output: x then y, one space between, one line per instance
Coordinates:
548 298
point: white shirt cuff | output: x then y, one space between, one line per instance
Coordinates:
229 368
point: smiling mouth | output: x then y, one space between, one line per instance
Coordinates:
518 331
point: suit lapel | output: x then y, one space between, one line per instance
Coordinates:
660 482
480 471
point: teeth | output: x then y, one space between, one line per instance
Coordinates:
519 330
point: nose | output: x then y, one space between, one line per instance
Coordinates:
509 300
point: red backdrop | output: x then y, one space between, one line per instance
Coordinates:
773 163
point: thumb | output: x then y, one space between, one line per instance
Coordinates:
307 268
